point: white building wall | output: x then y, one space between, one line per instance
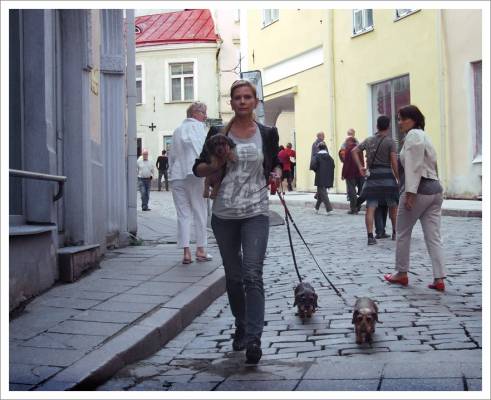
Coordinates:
227 23
156 107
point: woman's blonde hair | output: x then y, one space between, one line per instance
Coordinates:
237 84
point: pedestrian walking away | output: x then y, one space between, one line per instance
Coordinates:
382 175
162 165
315 149
351 174
240 218
144 172
187 189
323 166
285 156
421 198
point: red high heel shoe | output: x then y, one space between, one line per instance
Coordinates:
401 281
440 286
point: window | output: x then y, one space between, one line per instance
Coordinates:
270 16
477 83
139 84
182 81
388 97
402 12
362 21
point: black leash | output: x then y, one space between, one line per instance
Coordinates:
291 242
288 217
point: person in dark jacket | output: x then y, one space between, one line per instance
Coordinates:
351 174
323 166
240 213
163 166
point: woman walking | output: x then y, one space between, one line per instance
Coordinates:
240 218
382 174
187 190
421 198
323 166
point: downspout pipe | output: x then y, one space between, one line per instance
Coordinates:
331 88
442 85
131 121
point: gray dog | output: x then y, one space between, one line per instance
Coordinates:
305 300
365 316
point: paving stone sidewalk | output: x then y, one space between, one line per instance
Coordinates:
139 298
427 340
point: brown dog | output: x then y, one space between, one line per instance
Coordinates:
218 147
305 300
365 316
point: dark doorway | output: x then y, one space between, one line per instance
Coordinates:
138 147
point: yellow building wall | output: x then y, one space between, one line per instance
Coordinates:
286 126
463 46
413 46
393 48
295 32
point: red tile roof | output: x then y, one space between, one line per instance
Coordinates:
188 26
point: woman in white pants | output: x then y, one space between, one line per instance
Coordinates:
187 189
421 198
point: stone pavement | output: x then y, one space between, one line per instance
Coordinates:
79 334
450 207
427 340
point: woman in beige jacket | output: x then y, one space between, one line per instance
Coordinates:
421 198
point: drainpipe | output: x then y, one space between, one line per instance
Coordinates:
442 84
131 121
331 88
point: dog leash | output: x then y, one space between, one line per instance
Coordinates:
288 217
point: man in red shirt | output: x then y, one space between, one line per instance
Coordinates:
287 158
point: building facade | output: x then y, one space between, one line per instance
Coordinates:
71 116
176 64
341 69
227 22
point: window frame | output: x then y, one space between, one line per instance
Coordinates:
476 114
410 11
393 122
364 19
142 79
168 80
272 19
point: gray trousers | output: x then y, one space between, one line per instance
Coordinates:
322 197
427 209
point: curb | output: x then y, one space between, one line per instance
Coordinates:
140 340
447 212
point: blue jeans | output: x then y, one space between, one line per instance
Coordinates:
242 244
144 187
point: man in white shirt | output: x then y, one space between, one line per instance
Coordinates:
145 171
187 189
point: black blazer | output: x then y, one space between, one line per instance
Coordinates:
270 140
323 165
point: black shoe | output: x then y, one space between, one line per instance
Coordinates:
144 208
254 352
371 240
382 236
238 343
393 236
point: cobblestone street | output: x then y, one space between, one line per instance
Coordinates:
426 340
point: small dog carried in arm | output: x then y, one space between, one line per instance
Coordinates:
305 300
218 147
365 316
